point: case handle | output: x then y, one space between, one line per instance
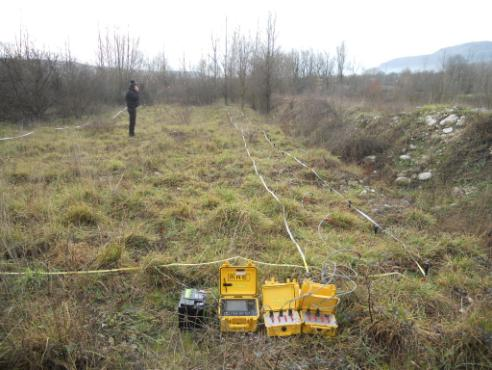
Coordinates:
238 326
314 326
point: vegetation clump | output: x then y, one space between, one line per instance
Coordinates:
81 214
138 242
110 255
420 219
341 220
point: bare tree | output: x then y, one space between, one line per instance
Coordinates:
155 78
118 58
31 77
214 60
244 55
269 60
295 68
75 86
443 58
225 66
340 60
327 70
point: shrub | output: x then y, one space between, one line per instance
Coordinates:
356 148
468 157
315 119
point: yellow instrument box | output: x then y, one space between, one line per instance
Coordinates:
318 304
280 308
238 303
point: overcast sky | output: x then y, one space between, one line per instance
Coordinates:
373 30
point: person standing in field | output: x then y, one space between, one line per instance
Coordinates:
132 102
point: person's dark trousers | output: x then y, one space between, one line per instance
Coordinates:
133 120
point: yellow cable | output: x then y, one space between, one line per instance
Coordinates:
137 268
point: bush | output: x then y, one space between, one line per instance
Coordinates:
468 158
314 119
358 147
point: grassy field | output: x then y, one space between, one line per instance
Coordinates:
184 190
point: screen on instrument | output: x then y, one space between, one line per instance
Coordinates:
236 305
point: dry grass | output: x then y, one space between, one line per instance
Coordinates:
184 190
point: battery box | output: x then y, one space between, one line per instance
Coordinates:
280 308
318 304
238 303
192 309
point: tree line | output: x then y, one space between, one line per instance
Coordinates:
240 69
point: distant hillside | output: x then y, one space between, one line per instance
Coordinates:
473 52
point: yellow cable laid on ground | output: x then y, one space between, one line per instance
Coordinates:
142 268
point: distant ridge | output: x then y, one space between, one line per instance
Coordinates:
472 52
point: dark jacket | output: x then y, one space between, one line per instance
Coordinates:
132 99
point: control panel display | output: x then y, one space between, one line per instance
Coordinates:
239 307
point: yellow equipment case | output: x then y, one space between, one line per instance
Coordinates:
280 308
238 303
318 304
